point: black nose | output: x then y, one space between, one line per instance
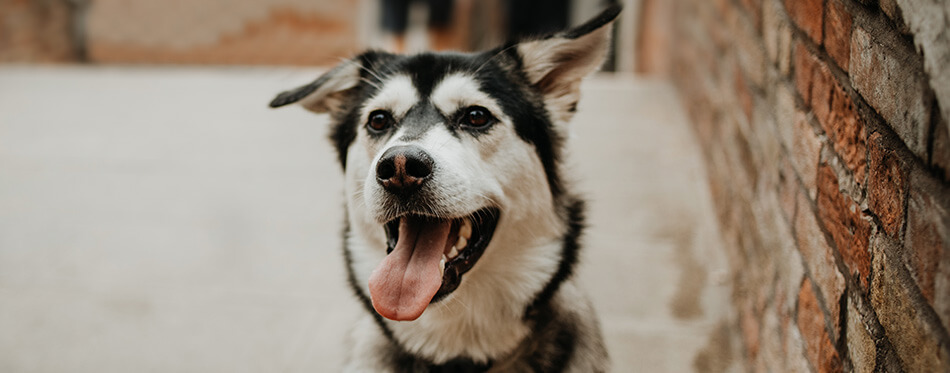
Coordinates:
403 169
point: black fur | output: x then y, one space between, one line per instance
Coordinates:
569 253
355 287
597 22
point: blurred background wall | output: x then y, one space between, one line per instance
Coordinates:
252 32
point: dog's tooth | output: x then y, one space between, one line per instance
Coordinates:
454 252
466 229
442 266
462 243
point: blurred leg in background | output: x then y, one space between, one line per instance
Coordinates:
447 26
395 19
441 35
528 18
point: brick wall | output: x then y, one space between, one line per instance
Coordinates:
296 32
824 124
290 32
38 31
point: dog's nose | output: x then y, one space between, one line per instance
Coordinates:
403 169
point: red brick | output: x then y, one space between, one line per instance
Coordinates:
811 322
823 87
818 255
804 71
750 330
838 33
846 222
887 182
836 113
808 15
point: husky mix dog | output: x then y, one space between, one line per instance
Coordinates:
461 233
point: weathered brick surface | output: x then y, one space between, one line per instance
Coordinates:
928 241
884 73
838 33
915 339
783 101
848 226
795 360
788 190
805 65
818 256
894 12
811 322
887 183
940 157
753 9
835 111
753 58
777 34
840 136
805 152
861 345
808 15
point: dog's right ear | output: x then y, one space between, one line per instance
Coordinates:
556 64
327 93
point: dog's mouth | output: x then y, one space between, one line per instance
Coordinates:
426 258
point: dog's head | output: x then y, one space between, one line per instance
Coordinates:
443 152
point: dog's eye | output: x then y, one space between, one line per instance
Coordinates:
476 117
379 120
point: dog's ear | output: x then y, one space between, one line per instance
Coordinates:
327 93
556 64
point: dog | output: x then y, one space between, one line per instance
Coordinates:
461 233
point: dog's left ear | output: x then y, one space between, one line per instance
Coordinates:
555 65
327 93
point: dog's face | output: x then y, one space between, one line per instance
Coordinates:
451 162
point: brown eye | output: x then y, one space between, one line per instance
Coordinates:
379 120
476 116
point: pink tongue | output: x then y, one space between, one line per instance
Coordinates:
405 282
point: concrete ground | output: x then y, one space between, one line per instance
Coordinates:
164 220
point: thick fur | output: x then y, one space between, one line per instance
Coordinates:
518 308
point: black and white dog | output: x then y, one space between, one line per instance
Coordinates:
461 233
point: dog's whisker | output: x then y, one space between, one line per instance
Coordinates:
370 71
490 59
372 83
